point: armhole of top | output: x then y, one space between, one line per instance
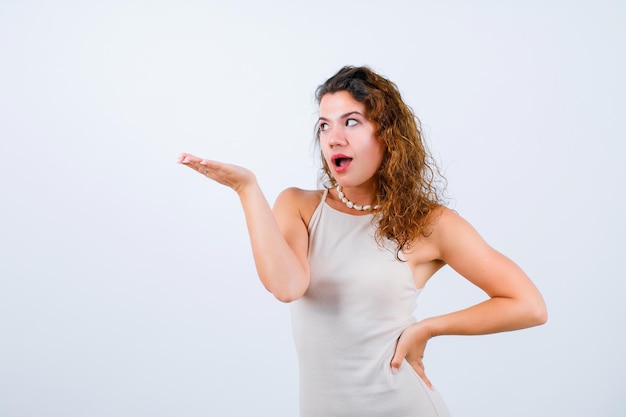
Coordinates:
316 214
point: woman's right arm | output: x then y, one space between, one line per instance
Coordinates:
279 238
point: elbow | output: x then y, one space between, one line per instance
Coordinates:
529 312
287 295
285 288
542 315
285 298
538 313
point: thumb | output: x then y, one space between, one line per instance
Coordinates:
398 357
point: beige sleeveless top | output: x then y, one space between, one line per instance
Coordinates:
346 325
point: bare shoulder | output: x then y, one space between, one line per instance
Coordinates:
445 221
299 198
304 202
452 234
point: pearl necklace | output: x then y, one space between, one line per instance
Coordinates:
351 205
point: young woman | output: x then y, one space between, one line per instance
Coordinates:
352 258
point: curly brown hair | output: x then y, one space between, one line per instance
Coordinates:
410 185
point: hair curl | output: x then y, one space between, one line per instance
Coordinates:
408 178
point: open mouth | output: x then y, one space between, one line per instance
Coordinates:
342 162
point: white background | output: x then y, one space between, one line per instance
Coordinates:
127 286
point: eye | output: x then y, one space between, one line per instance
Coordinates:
323 127
351 122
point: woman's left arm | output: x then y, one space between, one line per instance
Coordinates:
514 301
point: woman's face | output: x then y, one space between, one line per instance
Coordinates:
348 141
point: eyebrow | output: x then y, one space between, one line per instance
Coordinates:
343 116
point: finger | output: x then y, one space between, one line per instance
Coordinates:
426 380
196 167
211 164
419 368
203 166
186 158
398 357
202 170
206 166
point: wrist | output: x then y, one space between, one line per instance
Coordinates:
248 187
430 327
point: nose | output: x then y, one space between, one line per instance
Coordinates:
337 137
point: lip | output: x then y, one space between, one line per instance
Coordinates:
339 169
